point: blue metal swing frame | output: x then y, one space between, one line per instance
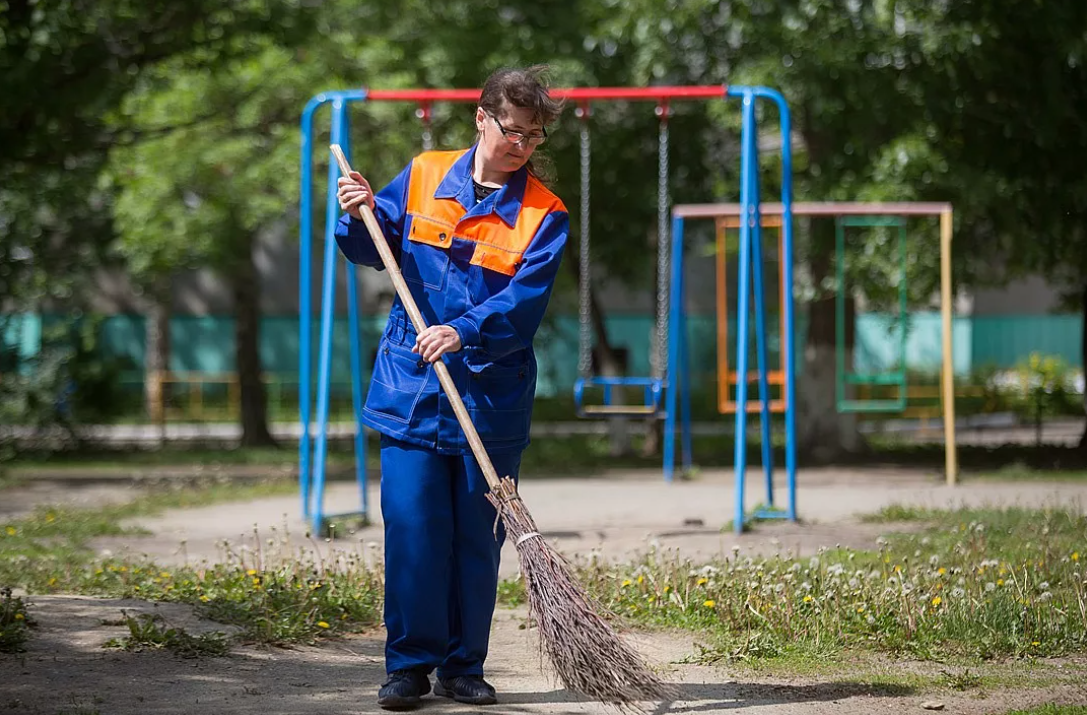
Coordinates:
668 398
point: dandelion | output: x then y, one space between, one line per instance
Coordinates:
1000 582
703 581
204 598
870 620
1043 586
251 572
957 593
990 587
937 601
19 616
941 571
709 603
808 598
860 608
813 564
1075 556
641 579
627 582
1045 597
322 624
12 531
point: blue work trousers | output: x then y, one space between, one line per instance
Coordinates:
441 558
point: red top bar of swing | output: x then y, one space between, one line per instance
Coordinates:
574 93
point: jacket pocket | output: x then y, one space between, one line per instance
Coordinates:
397 382
501 399
426 253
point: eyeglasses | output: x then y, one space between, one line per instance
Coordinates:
517 137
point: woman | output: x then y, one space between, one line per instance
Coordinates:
479 239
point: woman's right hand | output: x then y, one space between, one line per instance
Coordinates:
353 191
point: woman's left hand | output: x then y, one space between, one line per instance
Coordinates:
435 341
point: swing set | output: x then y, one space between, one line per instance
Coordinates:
667 391
660 399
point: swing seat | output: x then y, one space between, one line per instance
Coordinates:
651 405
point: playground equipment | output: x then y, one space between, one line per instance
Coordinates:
313 448
750 278
845 377
775 214
652 387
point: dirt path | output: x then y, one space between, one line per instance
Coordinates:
66 670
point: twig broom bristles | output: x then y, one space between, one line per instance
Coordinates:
587 655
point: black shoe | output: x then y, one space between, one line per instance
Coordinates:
403 690
470 689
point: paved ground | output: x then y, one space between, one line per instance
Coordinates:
617 514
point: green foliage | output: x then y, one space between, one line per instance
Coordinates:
150 630
15 623
66 69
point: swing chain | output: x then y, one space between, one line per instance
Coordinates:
663 111
585 358
423 113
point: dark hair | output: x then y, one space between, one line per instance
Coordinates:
525 88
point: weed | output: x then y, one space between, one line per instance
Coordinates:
14 622
150 630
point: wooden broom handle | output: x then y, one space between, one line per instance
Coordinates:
406 298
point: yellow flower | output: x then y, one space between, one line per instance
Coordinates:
204 598
19 616
808 598
1075 556
897 568
322 624
937 601
709 603
941 570
50 517
1000 582
860 608
1035 643
256 581
641 579
53 581
703 581
251 572
12 531
627 582
667 589
164 574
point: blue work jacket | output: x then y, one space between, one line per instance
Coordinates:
485 269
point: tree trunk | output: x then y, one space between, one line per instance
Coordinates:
824 435
1083 362
245 286
157 355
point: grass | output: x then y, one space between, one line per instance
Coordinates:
271 594
971 585
1051 709
964 586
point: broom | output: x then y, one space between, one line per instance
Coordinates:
586 653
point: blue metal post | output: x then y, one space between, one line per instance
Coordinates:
356 358
743 291
305 300
789 353
755 222
683 341
328 299
675 311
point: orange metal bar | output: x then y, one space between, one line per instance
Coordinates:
726 377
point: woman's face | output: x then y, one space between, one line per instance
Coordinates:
499 153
